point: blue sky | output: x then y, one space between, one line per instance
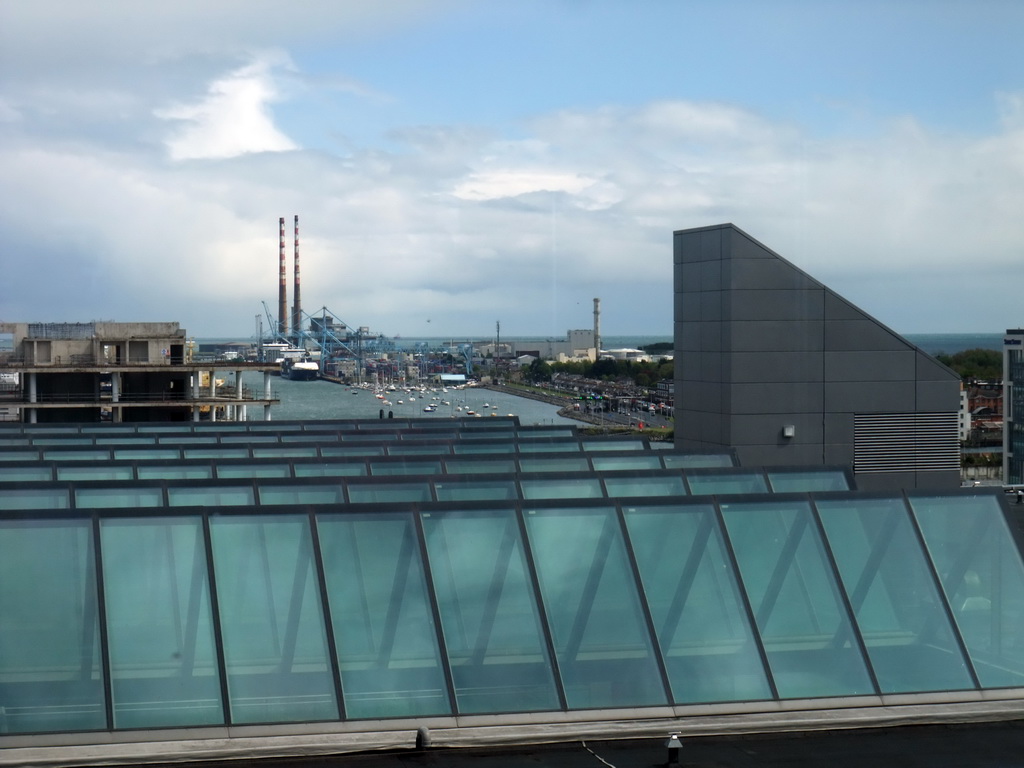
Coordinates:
456 163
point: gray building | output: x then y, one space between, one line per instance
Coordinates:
1013 406
771 362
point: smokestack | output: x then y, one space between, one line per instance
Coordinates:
597 327
297 317
282 293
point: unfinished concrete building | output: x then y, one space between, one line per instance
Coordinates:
119 372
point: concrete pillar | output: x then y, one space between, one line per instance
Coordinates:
195 413
266 395
32 388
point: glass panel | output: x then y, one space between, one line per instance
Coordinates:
702 627
563 488
186 440
475 448
351 450
331 469
86 454
479 466
492 629
175 472
733 482
9 455
248 438
217 496
387 493
493 490
225 471
275 646
163 662
34 498
123 498
94 472
644 486
895 600
405 467
570 464
24 474
612 445
696 460
144 453
126 440
983 578
418 450
50 674
285 452
300 494
562 446
796 603
216 453
808 481
383 624
62 441
646 461
603 648
307 437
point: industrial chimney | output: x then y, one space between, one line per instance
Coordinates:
297 316
597 328
282 293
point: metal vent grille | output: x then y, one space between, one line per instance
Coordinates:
905 442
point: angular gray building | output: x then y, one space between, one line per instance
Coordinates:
776 365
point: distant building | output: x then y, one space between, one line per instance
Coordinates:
1013 406
775 364
120 372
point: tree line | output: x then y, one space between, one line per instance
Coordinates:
976 364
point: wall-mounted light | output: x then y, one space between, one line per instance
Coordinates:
788 430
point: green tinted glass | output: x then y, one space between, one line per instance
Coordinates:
383 625
492 628
604 651
163 665
797 606
272 622
894 596
50 670
702 627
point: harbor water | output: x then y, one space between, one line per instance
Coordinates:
323 400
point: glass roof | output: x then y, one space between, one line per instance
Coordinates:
441 586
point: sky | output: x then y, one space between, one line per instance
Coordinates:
459 164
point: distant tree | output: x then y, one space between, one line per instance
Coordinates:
540 370
604 368
976 364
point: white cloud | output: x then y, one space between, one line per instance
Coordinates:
233 119
466 226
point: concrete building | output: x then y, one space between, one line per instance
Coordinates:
120 372
778 366
1013 406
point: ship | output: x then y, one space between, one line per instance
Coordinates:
300 370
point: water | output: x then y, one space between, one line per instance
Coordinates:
951 343
312 400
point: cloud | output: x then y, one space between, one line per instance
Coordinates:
467 224
233 119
